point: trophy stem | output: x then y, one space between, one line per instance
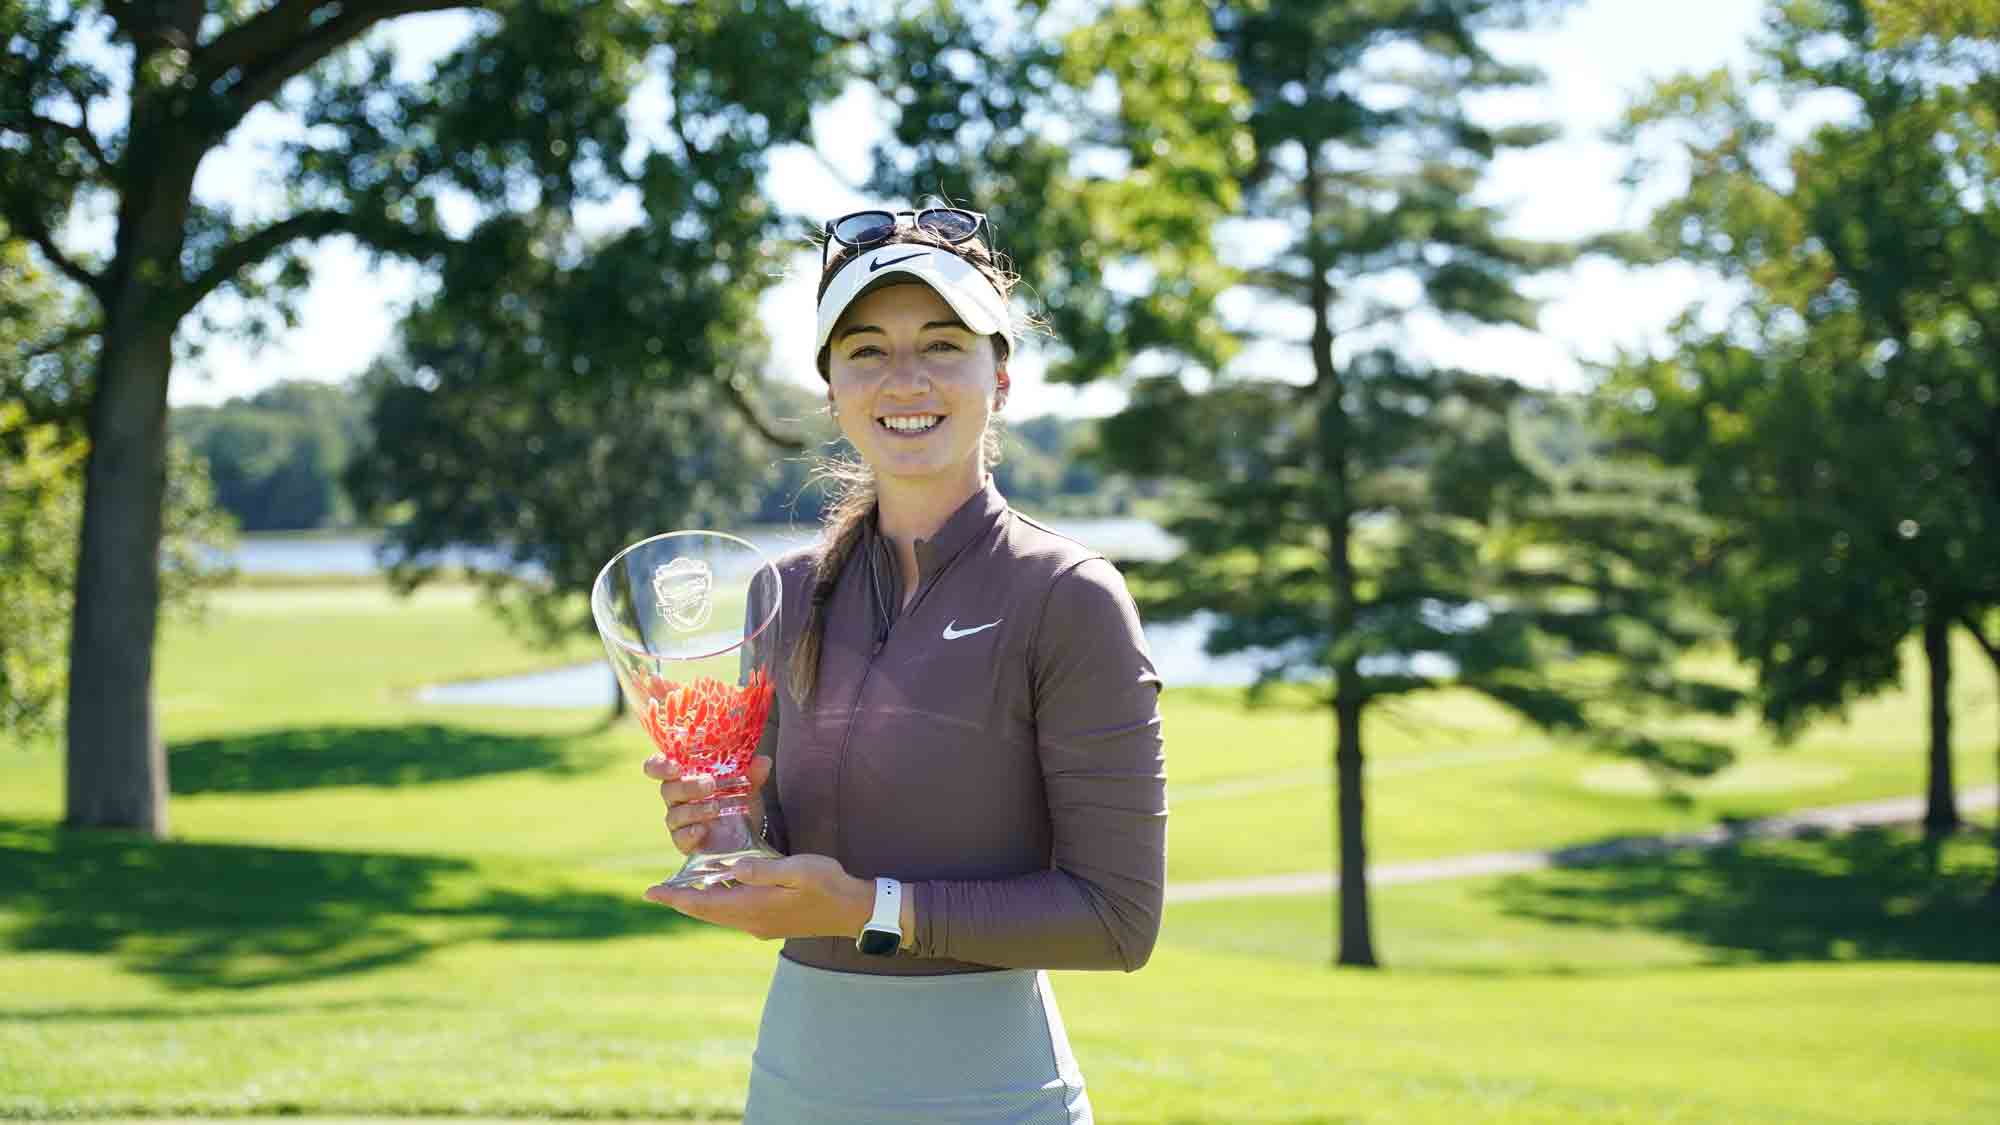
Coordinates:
732 795
731 837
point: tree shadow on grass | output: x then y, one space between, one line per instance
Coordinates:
182 1013
314 757
1878 895
242 917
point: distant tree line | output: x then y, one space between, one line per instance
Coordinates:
276 456
277 459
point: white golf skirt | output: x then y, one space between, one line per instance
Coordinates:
875 1050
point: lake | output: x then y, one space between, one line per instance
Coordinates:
1176 647
1176 650
1119 538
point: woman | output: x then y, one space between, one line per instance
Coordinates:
966 772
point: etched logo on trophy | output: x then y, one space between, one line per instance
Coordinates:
682 589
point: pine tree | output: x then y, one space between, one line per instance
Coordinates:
1373 519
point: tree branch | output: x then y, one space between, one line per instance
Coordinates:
74 334
285 40
791 443
77 132
260 35
254 247
1385 315
156 23
27 222
1276 279
1978 630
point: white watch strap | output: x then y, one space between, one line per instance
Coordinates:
888 905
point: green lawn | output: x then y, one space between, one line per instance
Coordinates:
375 907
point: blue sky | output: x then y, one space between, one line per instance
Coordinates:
1595 58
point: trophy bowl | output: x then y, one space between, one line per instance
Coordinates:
689 621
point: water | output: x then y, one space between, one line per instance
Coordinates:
1118 537
1176 647
339 555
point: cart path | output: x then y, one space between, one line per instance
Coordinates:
1833 818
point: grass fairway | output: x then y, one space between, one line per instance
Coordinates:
371 907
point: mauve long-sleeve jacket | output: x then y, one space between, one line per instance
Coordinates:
996 746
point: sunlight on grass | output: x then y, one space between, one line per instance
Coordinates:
371 906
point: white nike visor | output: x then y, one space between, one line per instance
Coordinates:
963 287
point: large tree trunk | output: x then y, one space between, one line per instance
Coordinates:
117 767
1357 933
1941 806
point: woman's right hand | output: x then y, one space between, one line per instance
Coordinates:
689 808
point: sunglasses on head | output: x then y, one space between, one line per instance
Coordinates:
865 228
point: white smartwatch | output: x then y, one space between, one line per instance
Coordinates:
883 934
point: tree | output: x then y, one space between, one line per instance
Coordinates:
276 456
37 536
1844 423
1375 519
47 341
1381 520
38 458
1103 151
531 113
41 451
1954 29
570 388
554 479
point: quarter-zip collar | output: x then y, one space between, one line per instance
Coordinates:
967 523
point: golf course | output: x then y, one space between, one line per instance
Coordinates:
372 907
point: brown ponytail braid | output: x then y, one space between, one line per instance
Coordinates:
846 518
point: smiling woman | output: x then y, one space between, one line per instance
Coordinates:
913 390
966 771
913 340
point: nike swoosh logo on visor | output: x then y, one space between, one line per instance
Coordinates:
952 632
878 264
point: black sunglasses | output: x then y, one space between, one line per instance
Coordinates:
864 228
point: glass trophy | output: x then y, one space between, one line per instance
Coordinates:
690 623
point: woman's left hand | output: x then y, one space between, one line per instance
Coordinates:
796 896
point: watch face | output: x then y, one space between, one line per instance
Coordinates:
879 943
